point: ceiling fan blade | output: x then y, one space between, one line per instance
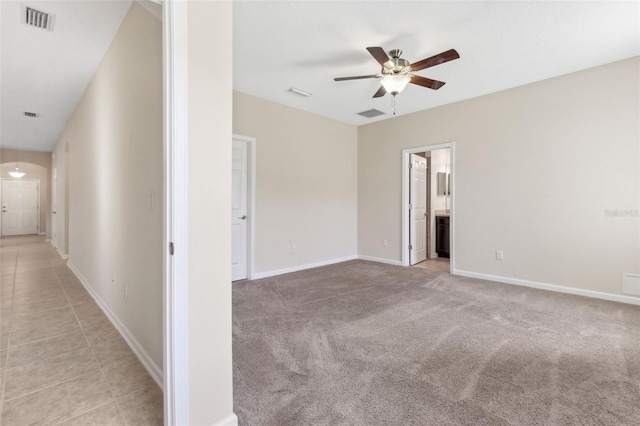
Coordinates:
357 77
379 54
426 82
438 59
381 92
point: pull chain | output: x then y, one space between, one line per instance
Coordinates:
393 105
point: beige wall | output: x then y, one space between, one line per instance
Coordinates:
36 165
536 168
306 178
115 163
60 165
209 211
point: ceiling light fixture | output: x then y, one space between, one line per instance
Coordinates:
300 92
17 173
395 84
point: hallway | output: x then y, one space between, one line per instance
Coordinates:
61 359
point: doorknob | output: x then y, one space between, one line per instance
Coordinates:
243 217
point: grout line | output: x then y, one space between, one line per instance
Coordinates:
6 361
49 386
82 413
93 352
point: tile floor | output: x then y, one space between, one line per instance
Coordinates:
440 264
61 360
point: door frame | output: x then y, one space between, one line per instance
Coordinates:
175 124
405 200
37 203
251 201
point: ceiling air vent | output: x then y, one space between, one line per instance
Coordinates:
36 18
31 114
371 113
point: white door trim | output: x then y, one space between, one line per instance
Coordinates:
176 325
251 202
405 200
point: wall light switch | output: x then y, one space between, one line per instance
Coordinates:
499 255
385 243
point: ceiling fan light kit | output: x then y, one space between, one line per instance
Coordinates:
397 72
395 84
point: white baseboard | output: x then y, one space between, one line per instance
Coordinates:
551 287
380 260
62 255
301 267
136 347
230 420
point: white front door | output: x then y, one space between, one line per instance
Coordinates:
418 211
239 203
20 205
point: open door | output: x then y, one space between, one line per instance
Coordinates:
418 214
239 210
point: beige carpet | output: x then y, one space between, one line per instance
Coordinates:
362 343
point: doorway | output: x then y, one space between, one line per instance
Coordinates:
20 207
242 208
54 203
423 204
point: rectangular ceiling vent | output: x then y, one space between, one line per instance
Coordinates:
371 113
31 114
36 18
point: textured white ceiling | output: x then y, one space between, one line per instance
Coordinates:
280 44
47 72
304 44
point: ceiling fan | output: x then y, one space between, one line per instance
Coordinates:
396 72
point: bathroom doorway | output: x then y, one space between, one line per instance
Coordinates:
427 208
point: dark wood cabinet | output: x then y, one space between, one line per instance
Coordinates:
442 236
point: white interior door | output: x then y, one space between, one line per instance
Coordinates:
20 207
54 204
239 202
418 211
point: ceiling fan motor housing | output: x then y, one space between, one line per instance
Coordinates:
395 64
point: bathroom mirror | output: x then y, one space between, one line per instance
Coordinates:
443 183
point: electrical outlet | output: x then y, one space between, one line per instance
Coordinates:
499 255
293 248
631 284
385 243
